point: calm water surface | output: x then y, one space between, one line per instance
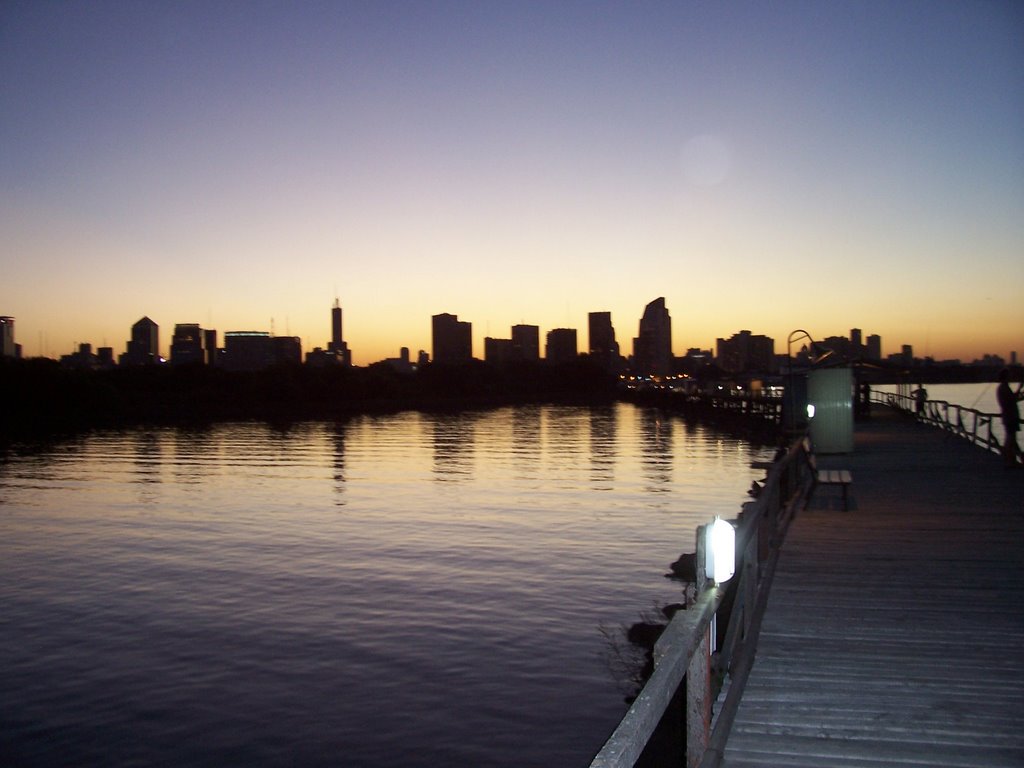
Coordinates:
407 590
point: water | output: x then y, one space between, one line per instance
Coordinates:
408 590
978 396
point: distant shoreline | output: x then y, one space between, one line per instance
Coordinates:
47 400
43 399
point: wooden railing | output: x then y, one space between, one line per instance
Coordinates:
956 419
714 639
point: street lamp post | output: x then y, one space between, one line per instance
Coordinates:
790 411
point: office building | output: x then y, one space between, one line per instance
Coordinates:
561 345
248 350
652 348
874 347
188 345
7 346
452 339
604 349
497 351
83 359
287 350
144 345
526 343
745 351
210 345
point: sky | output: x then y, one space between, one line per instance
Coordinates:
763 166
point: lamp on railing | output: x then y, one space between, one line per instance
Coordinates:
719 551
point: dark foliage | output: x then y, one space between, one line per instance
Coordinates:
41 397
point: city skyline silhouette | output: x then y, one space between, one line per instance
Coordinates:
454 340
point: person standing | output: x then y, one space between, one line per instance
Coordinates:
920 398
1007 399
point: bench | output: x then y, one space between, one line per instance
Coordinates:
840 477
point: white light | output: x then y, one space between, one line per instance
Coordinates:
720 550
810 410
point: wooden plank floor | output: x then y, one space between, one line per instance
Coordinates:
895 631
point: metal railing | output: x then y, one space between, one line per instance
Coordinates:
968 423
716 636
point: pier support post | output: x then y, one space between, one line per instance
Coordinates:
698 702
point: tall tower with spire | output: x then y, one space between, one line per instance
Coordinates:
337 345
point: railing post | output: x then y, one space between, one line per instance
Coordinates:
698 672
698 701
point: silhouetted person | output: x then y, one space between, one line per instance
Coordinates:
1011 417
920 395
865 400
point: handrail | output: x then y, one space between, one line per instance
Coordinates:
976 427
683 654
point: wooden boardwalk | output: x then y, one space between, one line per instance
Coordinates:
894 633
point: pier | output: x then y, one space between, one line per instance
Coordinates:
892 632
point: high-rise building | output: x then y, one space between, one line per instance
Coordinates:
526 343
287 350
652 348
248 350
338 346
188 345
745 351
497 351
561 345
144 345
604 349
855 342
874 347
7 346
210 345
452 339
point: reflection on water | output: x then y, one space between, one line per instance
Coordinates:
657 450
603 437
336 435
403 590
452 437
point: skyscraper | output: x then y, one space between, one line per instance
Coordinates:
144 345
338 346
652 348
452 339
604 349
7 346
526 342
874 350
561 345
745 351
188 345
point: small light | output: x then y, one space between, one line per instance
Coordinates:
720 551
810 410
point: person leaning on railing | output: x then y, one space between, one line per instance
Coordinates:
1011 418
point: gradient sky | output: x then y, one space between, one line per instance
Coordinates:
764 166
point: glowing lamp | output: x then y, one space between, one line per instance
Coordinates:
810 410
720 550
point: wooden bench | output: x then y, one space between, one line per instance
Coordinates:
840 477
